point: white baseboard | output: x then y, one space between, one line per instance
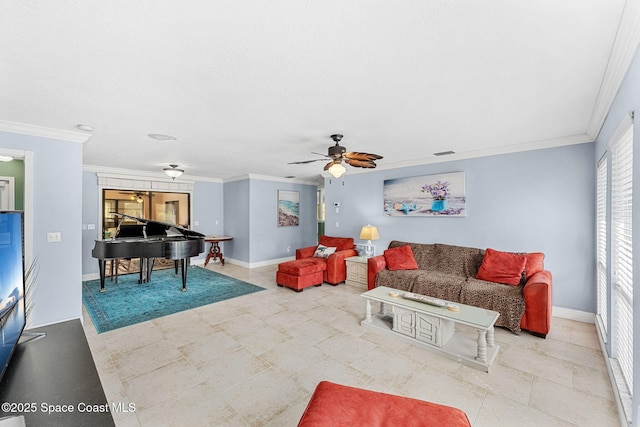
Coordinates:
42 325
258 264
580 316
90 276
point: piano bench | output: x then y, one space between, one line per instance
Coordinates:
300 273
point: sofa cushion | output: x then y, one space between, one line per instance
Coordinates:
398 279
323 251
400 258
507 300
439 285
535 263
341 243
502 267
458 260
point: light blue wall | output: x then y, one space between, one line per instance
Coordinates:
250 207
268 241
532 201
206 205
627 100
236 212
57 207
90 215
208 212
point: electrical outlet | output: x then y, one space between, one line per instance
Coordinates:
337 224
288 248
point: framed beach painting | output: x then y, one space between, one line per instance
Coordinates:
440 195
288 208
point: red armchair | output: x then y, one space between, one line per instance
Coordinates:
336 271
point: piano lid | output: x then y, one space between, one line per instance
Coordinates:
174 229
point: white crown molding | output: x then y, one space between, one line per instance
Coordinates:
108 172
495 151
623 52
251 176
44 132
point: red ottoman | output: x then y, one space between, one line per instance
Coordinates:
335 405
301 273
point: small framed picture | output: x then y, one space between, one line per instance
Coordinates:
288 208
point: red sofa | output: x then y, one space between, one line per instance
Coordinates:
336 269
452 273
335 405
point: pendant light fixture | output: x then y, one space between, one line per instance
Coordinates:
173 172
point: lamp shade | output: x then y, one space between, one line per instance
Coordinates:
369 232
337 170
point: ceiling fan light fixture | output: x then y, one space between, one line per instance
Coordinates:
173 172
337 170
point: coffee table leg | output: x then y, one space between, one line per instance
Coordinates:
482 345
490 337
383 309
367 310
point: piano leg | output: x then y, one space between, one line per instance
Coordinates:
102 266
184 274
141 272
150 262
175 266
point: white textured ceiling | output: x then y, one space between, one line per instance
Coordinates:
248 86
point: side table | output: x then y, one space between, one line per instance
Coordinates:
214 251
356 271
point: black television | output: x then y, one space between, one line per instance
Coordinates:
12 277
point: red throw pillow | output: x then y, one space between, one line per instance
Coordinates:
400 258
535 263
501 267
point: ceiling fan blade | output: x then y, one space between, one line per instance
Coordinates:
320 154
361 163
307 161
361 156
328 165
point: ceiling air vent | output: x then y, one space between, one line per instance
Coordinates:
444 153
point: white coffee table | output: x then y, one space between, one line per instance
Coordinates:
433 327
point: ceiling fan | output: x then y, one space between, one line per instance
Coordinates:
338 153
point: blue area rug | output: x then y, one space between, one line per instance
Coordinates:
127 302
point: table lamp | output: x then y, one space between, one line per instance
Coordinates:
369 233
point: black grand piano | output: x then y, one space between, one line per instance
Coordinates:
148 240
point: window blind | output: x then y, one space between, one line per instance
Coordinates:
601 243
621 245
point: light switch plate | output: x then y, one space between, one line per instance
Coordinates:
54 237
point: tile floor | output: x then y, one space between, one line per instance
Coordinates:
256 359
